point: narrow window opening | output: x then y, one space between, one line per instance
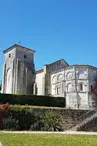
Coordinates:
9 55
57 90
25 56
91 88
81 87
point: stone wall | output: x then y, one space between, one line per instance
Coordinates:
7 71
53 67
91 126
18 71
58 83
40 83
75 85
25 78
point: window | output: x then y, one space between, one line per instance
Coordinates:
36 91
58 91
9 55
69 87
69 76
25 56
91 88
54 80
81 87
60 78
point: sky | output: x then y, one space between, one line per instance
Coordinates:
54 28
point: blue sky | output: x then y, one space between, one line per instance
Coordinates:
54 28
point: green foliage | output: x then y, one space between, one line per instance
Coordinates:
32 100
48 121
32 119
3 111
24 116
37 126
42 118
10 124
52 122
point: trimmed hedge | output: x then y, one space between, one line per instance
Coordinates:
32 100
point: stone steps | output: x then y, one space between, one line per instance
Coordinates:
86 118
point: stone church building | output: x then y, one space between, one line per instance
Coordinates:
73 82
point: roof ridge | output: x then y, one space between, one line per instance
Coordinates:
19 46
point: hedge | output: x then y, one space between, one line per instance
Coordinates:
32 100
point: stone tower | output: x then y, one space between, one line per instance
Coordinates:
18 70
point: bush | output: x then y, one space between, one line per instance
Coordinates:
33 100
36 119
10 124
24 116
37 126
47 121
52 122
40 119
3 110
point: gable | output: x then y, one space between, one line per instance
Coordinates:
58 65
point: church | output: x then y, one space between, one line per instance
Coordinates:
59 79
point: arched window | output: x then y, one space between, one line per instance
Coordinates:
69 75
54 80
81 87
58 90
69 87
60 77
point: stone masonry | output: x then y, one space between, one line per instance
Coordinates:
18 70
73 82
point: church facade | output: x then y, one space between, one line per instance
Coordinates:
74 82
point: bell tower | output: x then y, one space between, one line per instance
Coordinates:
18 70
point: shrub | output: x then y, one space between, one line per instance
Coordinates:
10 124
37 119
3 110
24 116
49 121
37 126
33 100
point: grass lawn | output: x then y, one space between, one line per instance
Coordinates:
47 140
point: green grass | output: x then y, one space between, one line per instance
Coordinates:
47 140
